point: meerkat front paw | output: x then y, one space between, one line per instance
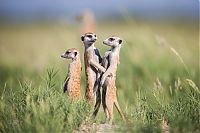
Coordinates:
110 75
103 78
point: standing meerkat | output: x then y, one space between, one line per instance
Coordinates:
92 59
73 79
110 62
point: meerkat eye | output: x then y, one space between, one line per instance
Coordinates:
89 36
67 52
95 35
111 39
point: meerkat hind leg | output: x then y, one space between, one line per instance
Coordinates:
98 102
104 103
109 102
109 105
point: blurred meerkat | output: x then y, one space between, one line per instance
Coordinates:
92 59
73 79
110 62
87 21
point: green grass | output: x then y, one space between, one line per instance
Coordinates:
157 79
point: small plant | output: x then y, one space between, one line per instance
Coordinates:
40 109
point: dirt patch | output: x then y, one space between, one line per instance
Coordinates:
97 128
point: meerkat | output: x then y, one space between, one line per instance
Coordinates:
73 79
87 19
92 60
110 62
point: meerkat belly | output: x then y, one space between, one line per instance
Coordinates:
90 78
110 87
75 77
91 75
74 87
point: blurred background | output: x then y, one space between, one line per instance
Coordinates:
33 34
160 41
64 11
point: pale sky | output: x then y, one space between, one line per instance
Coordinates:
102 8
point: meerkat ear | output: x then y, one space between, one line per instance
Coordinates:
75 53
82 38
120 41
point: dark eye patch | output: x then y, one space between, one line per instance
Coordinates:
111 39
89 36
67 52
95 35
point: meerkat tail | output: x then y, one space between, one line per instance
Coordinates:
119 110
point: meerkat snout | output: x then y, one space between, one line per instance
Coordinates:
89 38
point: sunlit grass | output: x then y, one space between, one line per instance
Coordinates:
157 79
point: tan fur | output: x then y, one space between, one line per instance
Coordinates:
165 127
91 59
73 79
110 61
87 21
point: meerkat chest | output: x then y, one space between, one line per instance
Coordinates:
96 56
73 69
114 59
90 54
105 60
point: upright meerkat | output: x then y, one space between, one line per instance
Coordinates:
110 62
92 59
73 79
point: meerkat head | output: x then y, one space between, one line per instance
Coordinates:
89 38
113 41
70 54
